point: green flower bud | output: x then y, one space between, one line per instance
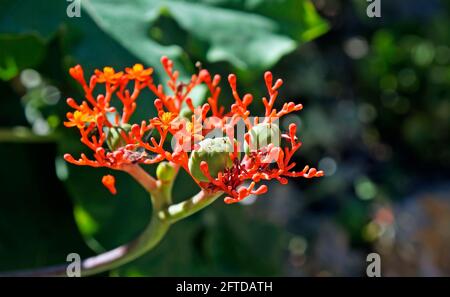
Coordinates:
114 140
186 113
262 135
165 171
215 152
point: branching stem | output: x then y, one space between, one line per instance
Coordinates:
164 214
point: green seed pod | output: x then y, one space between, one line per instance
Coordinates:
262 135
215 152
165 171
114 140
186 113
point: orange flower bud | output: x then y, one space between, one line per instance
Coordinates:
110 183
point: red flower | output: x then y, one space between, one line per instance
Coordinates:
137 72
108 75
117 144
164 120
78 119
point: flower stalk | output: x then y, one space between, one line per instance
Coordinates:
164 214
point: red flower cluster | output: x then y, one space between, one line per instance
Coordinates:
116 144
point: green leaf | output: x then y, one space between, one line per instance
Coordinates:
128 23
251 35
246 39
298 19
295 18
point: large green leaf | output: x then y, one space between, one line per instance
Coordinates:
250 35
295 18
246 39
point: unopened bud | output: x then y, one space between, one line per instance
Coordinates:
262 135
216 153
165 171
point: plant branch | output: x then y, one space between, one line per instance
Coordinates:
151 236
162 218
149 183
181 210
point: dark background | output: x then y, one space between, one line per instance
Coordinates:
376 118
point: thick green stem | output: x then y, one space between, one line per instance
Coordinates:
161 197
151 236
179 211
164 214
